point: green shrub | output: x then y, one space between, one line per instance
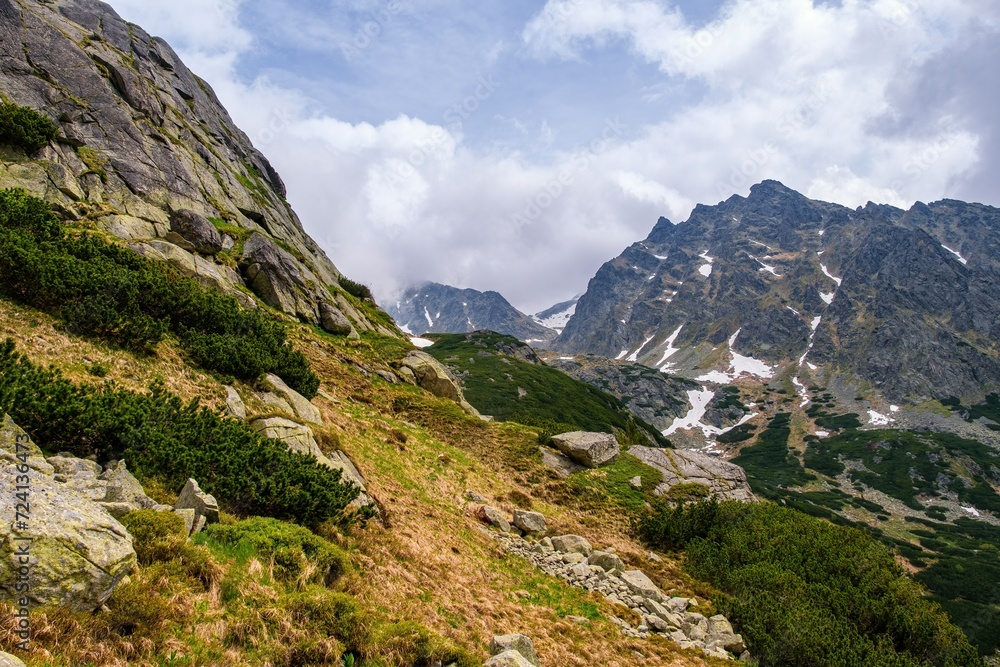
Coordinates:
356 289
107 291
806 593
297 554
167 441
25 127
151 530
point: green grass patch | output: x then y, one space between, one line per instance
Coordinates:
500 384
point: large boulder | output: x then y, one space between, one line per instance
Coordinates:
517 643
299 438
588 449
8 660
726 481
641 585
435 378
78 552
277 277
300 405
204 271
529 522
572 544
335 322
196 230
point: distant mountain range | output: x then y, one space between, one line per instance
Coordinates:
906 301
436 308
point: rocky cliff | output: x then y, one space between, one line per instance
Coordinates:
904 300
436 308
147 153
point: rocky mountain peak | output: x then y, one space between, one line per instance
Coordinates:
899 299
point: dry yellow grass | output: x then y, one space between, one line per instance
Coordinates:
431 561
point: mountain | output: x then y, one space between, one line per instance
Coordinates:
144 147
906 301
558 315
436 308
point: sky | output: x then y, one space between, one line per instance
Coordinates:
516 145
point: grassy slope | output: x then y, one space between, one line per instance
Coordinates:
509 388
432 564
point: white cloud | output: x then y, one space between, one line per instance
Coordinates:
802 92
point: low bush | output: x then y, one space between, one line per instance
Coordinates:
807 593
25 128
109 292
167 441
297 555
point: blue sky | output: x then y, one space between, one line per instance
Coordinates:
517 144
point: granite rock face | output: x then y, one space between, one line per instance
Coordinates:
148 152
908 301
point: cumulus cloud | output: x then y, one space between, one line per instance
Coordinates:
845 102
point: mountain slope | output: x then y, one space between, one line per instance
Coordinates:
141 138
904 300
436 308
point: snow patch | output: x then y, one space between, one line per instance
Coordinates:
812 337
812 367
893 409
660 257
794 311
767 267
421 342
878 419
621 355
821 232
802 391
671 350
427 314
827 296
699 405
823 434
832 277
557 321
635 355
405 329
739 365
706 269
972 510
956 254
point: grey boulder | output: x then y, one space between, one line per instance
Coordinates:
529 522
196 230
79 552
588 449
517 643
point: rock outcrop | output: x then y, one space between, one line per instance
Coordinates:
202 507
69 549
300 438
592 450
726 481
148 153
430 374
515 643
